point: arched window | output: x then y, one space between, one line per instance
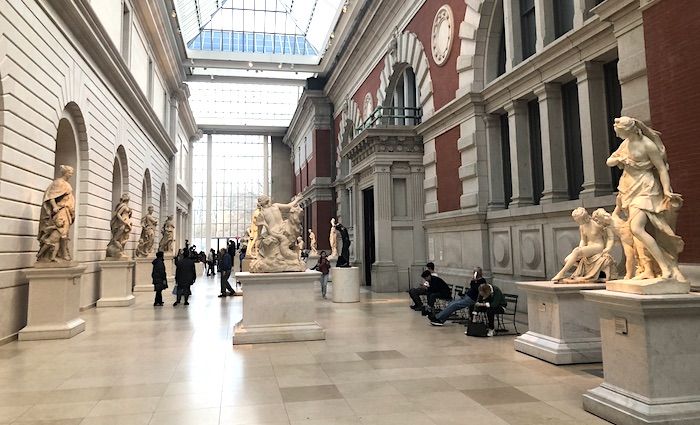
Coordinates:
405 98
496 45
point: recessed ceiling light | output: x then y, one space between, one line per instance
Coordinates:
250 64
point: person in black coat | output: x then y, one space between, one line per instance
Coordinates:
436 288
159 277
467 300
185 275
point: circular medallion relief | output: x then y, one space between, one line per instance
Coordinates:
369 106
443 31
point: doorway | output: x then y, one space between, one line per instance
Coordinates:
368 236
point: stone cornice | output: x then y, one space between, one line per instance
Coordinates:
79 17
454 219
450 116
184 194
313 105
385 141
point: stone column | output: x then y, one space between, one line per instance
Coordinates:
594 131
357 222
384 271
495 162
514 45
207 223
266 165
520 166
582 11
173 169
544 21
553 149
417 196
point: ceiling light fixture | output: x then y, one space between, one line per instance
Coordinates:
250 64
279 66
173 14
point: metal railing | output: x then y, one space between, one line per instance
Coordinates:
387 116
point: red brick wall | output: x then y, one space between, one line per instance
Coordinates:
448 161
445 78
671 30
370 85
321 214
322 150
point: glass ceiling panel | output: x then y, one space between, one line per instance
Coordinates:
283 27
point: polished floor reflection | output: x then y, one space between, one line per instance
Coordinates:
382 364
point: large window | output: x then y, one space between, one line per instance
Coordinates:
572 138
613 100
537 167
505 158
237 170
528 27
563 17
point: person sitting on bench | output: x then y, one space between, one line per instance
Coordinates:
466 301
436 288
422 289
492 302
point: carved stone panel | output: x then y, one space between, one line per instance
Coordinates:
442 35
501 250
530 249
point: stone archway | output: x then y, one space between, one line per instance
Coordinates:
120 175
473 34
407 50
350 119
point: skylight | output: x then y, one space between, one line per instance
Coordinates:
258 29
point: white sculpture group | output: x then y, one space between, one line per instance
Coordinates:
643 220
275 243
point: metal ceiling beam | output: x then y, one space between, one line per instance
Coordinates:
234 64
246 130
247 80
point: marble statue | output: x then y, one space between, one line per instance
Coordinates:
252 250
646 203
56 217
333 239
312 244
244 241
344 258
276 245
592 256
121 228
300 245
167 237
149 223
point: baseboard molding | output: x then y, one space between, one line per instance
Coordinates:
89 306
8 339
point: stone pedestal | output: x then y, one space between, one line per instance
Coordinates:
246 264
346 285
278 307
142 275
658 286
311 261
563 328
115 283
54 303
651 358
385 277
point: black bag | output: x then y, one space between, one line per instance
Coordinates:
161 286
477 325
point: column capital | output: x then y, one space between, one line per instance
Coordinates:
382 168
547 90
515 106
588 70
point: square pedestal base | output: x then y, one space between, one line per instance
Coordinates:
115 283
346 285
657 286
385 277
563 328
278 307
142 275
54 303
651 357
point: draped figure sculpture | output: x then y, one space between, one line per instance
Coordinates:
120 226
312 244
252 246
646 204
333 240
592 256
167 236
277 249
149 223
55 219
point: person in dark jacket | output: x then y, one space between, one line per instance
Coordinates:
324 266
422 289
435 287
225 266
491 301
159 277
185 275
467 300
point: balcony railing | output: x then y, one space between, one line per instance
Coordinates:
388 116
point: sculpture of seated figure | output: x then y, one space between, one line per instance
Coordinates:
277 249
592 256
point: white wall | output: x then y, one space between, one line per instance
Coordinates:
32 105
139 60
110 14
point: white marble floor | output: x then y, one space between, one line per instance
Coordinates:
382 364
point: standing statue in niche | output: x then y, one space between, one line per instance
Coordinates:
333 239
312 244
592 256
647 204
149 223
121 228
277 249
344 258
167 237
56 217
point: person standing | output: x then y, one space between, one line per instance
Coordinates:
225 266
324 266
210 262
159 277
185 275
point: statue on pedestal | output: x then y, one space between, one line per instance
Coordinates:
56 217
167 236
121 228
252 247
333 239
344 258
277 249
592 256
149 223
300 246
312 244
646 203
